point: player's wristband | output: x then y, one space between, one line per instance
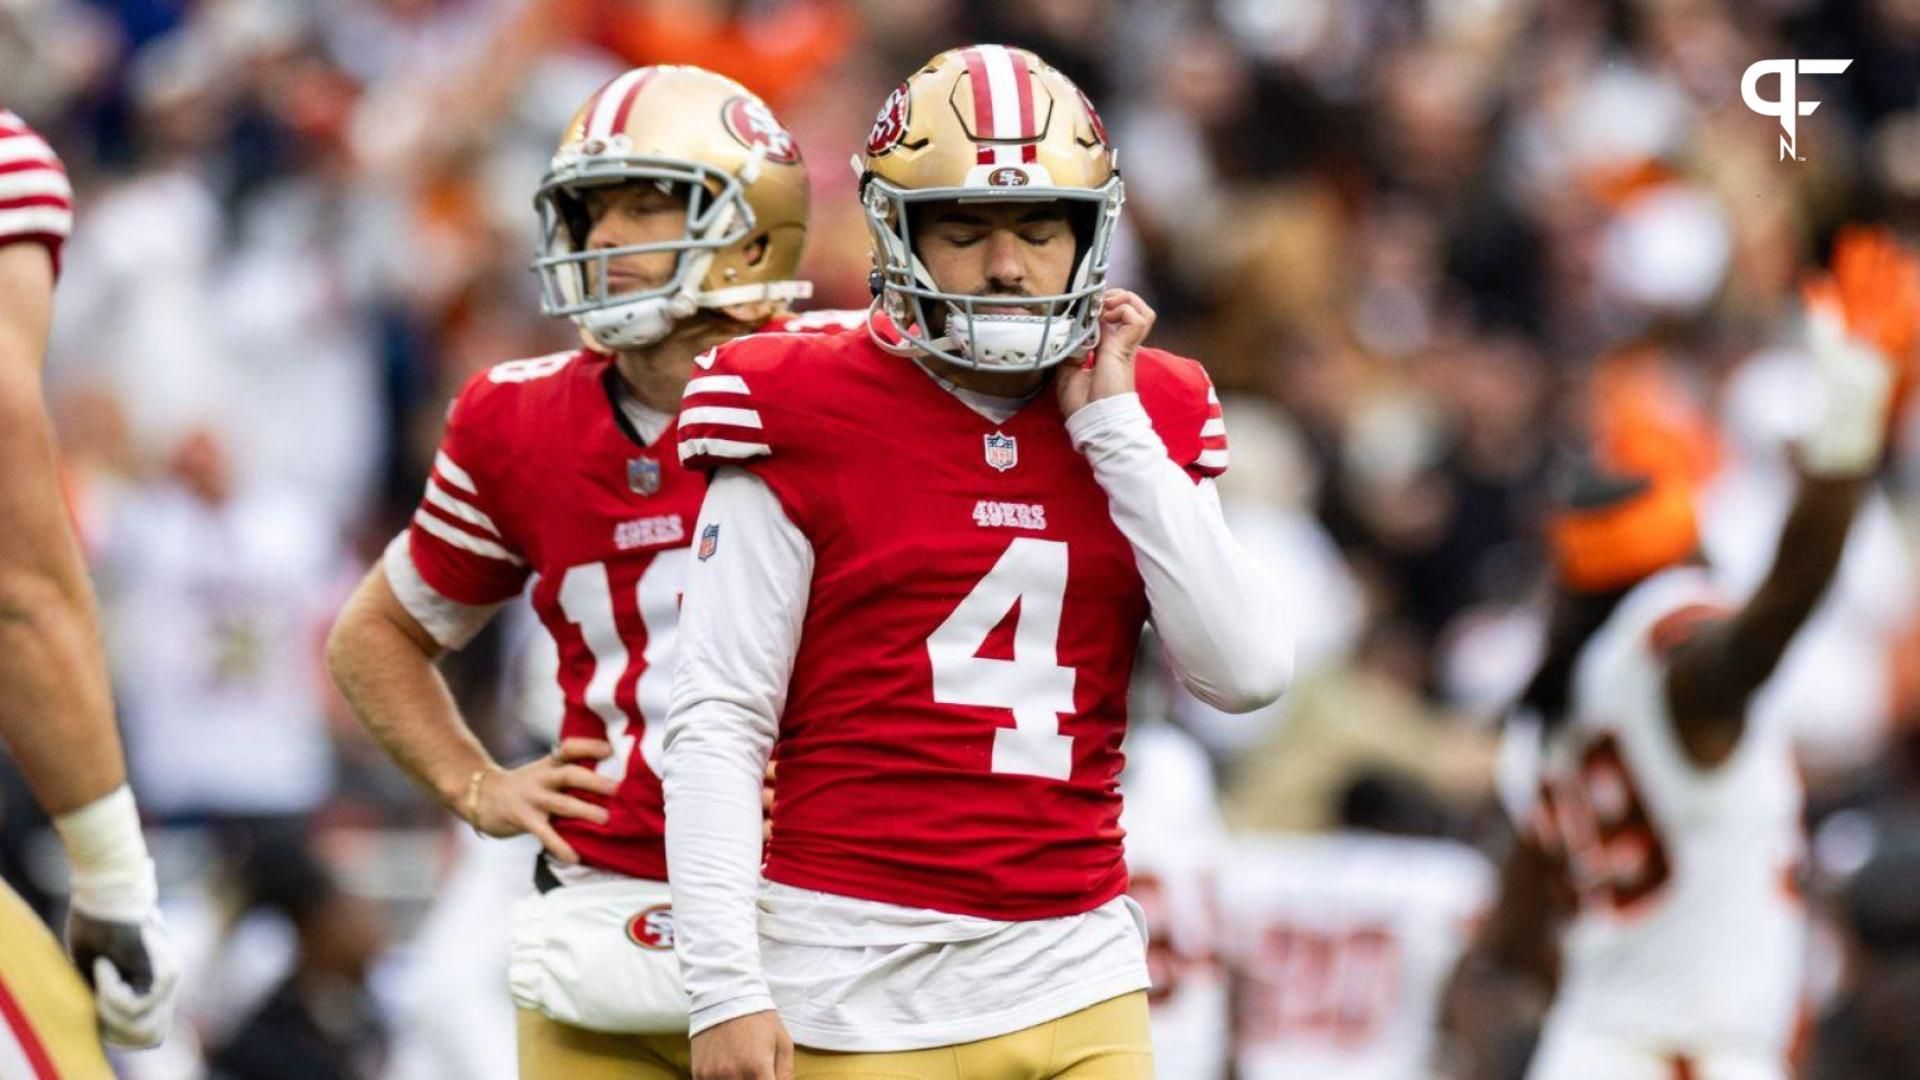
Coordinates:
113 877
473 797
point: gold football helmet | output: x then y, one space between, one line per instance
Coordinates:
985 123
746 186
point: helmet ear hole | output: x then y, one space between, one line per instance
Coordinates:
755 250
576 218
1083 219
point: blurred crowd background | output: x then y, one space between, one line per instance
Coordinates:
1414 241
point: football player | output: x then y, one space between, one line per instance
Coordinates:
56 709
673 216
926 557
1667 823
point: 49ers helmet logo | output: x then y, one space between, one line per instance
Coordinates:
750 121
652 928
891 125
1008 176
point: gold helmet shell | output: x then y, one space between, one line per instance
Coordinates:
988 122
747 202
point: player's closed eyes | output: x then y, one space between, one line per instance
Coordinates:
1035 238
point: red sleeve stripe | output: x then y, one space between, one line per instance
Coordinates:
472 515
1212 459
1213 396
716 384
447 533
720 415
729 430
36 202
453 473
733 449
32 165
1215 427
58 203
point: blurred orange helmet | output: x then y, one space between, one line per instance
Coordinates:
696 131
1608 531
988 123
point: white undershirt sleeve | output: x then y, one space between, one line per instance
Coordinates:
1226 625
451 622
740 620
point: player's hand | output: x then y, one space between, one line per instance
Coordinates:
751 1047
114 931
1124 322
133 972
526 798
1862 320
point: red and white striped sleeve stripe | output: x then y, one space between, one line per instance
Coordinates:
1213 438
719 423
1004 120
36 202
448 514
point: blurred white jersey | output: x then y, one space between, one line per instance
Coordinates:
1686 945
1343 943
1175 846
215 616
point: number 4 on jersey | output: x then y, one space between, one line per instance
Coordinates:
1032 573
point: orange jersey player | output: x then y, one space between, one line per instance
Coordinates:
1665 819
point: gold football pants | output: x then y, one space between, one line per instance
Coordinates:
1108 1041
48 1030
550 1050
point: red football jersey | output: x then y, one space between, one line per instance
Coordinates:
952 732
36 202
539 475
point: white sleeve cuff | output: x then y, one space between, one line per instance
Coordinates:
451 622
721 1012
1113 424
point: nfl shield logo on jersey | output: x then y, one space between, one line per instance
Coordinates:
1002 452
709 541
643 475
